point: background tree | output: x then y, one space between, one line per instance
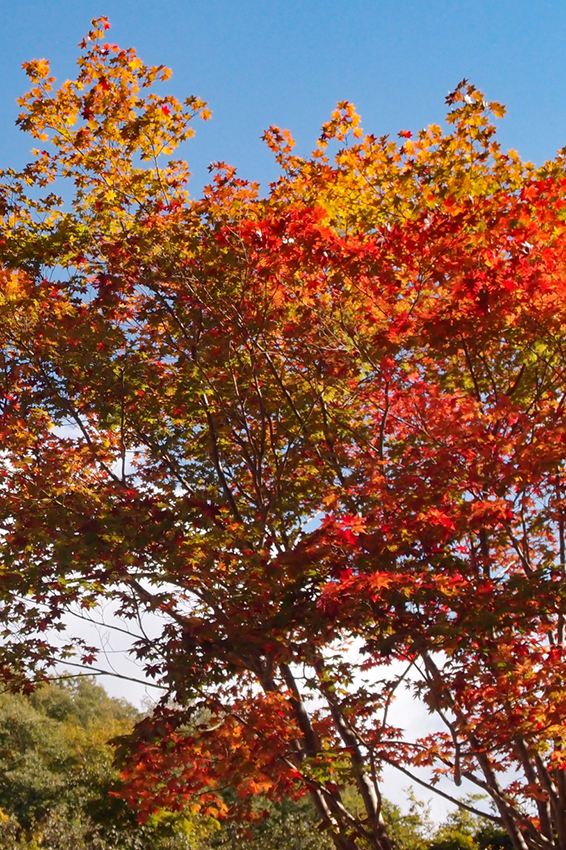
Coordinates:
327 420
57 783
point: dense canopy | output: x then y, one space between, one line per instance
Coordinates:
319 433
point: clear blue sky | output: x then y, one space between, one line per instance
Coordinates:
287 62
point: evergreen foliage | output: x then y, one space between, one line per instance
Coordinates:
57 776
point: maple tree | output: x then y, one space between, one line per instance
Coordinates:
319 434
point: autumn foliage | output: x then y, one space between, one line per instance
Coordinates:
320 433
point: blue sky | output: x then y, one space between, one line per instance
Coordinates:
287 62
